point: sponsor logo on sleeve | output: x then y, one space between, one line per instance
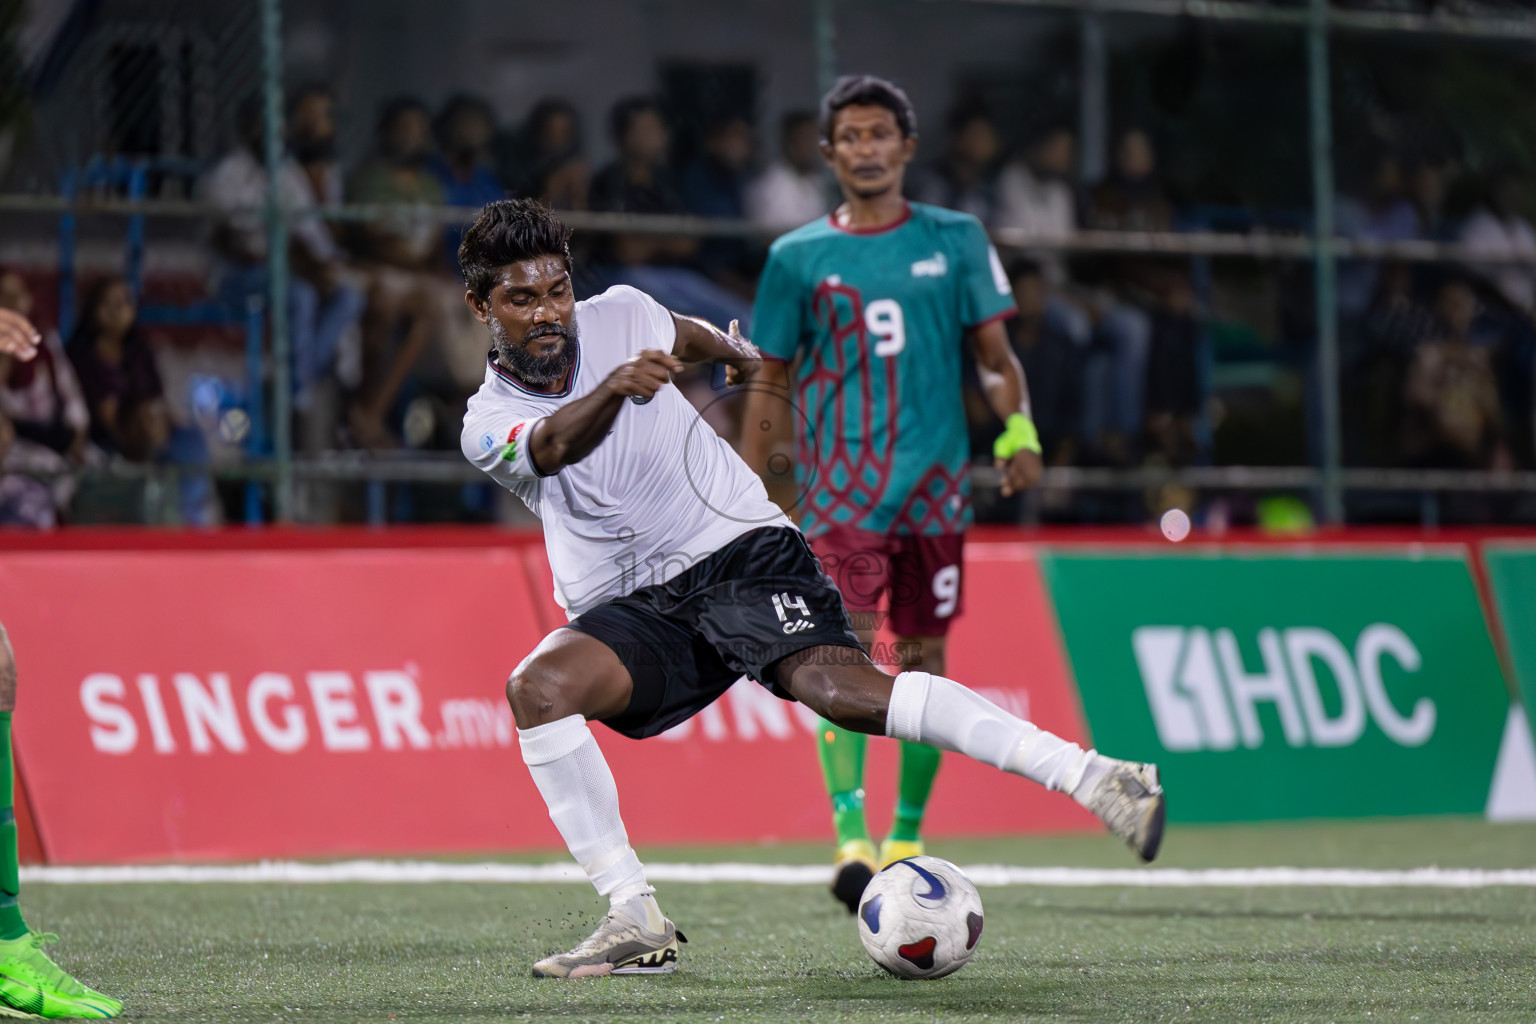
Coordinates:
487 442
509 453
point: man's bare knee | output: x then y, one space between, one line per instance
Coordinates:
536 694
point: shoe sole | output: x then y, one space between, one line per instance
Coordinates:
80 1010
667 968
849 883
11 1012
595 971
659 961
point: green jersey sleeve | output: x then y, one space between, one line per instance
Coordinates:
984 290
780 313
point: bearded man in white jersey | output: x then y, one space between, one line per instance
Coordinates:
679 575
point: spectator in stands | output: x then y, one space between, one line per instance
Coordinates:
1172 391
965 177
45 421
311 126
118 375
122 389
714 185
322 301
1385 214
402 254
1395 324
464 129
42 397
1397 321
1139 303
1428 183
1146 361
793 189
1451 396
1035 195
398 175
1132 198
639 181
545 160
1498 228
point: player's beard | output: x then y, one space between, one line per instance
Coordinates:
529 368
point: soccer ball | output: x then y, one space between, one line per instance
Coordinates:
920 918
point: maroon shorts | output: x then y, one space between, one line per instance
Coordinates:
920 576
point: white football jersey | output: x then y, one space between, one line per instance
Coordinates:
659 493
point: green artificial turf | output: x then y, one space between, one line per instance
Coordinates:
771 953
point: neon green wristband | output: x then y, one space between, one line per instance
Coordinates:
1018 436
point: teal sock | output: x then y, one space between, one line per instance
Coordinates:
12 926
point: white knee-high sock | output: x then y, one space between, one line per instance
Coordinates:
573 777
941 713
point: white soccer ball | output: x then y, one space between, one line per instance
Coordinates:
920 918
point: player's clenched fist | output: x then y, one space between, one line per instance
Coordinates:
17 336
643 375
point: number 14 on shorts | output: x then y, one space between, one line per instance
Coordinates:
784 603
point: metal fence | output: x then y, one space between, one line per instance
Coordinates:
90 117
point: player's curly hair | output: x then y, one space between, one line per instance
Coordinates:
510 231
867 91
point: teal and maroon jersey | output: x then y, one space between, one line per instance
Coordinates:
879 318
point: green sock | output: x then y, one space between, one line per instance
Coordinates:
842 766
919 767
11 924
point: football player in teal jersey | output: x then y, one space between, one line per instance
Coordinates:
868 309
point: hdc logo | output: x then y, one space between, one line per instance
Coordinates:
1203 697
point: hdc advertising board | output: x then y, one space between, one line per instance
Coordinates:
1283 686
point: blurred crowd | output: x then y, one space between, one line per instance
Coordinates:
1437 362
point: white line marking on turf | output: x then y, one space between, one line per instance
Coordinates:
378 871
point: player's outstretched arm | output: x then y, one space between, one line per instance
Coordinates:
699 341
570 433
17 336
1002 381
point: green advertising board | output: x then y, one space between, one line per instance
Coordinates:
1275 686
1512 578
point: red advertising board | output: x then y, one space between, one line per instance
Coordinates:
191 705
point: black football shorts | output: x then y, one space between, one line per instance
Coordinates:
737 612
